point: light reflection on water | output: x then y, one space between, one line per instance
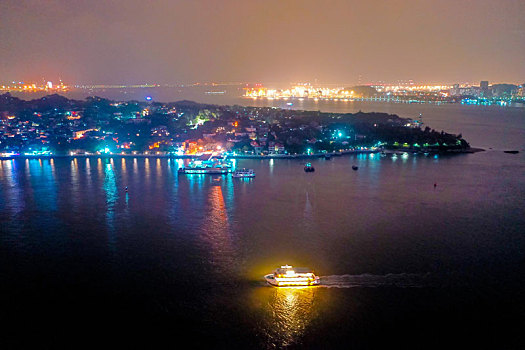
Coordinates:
288 311
135 166
111 192
158 171
147 171
13 203
216 233
11 187
43 184
75 183
88 173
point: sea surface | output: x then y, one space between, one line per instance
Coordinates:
178 260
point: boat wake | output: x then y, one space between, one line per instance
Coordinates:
400 280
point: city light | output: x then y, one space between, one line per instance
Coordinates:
466 93
48 86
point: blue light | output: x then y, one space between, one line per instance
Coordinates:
148 98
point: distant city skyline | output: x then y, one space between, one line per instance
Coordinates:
128 42
58 83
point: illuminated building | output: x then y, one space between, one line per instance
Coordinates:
80 133
484 88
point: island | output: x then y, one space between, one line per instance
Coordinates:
58 126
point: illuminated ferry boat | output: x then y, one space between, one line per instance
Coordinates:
207 164
289 276
244 173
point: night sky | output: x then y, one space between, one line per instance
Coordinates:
135 41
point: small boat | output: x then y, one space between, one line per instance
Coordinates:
204 170
287 275
309 168
355 167
327 156
243 173
511 152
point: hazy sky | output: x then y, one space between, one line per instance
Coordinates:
133 41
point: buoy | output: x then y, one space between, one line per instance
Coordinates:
435 185
126 188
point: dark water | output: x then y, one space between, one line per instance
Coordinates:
180 259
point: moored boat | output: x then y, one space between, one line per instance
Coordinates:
207 164
355 167
243 173
287 275
308 167
204 170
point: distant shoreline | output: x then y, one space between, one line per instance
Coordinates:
248 156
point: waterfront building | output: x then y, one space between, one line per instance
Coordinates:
521 90
455 91
484 88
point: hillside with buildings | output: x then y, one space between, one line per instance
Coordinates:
57 125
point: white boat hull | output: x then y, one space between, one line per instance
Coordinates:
251 175
270 279
243 173
210 171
